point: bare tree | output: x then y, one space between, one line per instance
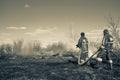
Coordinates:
114 27
73 36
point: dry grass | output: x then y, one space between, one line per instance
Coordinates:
35 49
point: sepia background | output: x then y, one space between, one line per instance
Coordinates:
54 20
38 39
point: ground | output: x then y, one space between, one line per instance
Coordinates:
52 68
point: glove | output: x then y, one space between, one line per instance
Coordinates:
102 47
77 46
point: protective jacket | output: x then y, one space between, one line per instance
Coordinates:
83 45
107 41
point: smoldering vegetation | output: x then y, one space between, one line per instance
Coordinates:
33 62
33 49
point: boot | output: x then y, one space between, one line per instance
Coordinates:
99 63
110 65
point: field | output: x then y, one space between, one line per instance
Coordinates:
52 68
52 63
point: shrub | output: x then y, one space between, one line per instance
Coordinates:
8 48
57 47
2 49
36 46
17 46
32 48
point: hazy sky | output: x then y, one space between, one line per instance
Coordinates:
54 20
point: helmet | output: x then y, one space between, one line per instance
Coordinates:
82 34
105 31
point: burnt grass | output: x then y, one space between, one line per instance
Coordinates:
53 68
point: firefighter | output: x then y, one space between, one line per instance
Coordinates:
107 46
83 46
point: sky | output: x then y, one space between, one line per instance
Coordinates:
54 20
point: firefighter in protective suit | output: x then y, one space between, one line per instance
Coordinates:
83 45
107 46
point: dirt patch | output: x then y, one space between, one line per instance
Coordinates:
54 68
